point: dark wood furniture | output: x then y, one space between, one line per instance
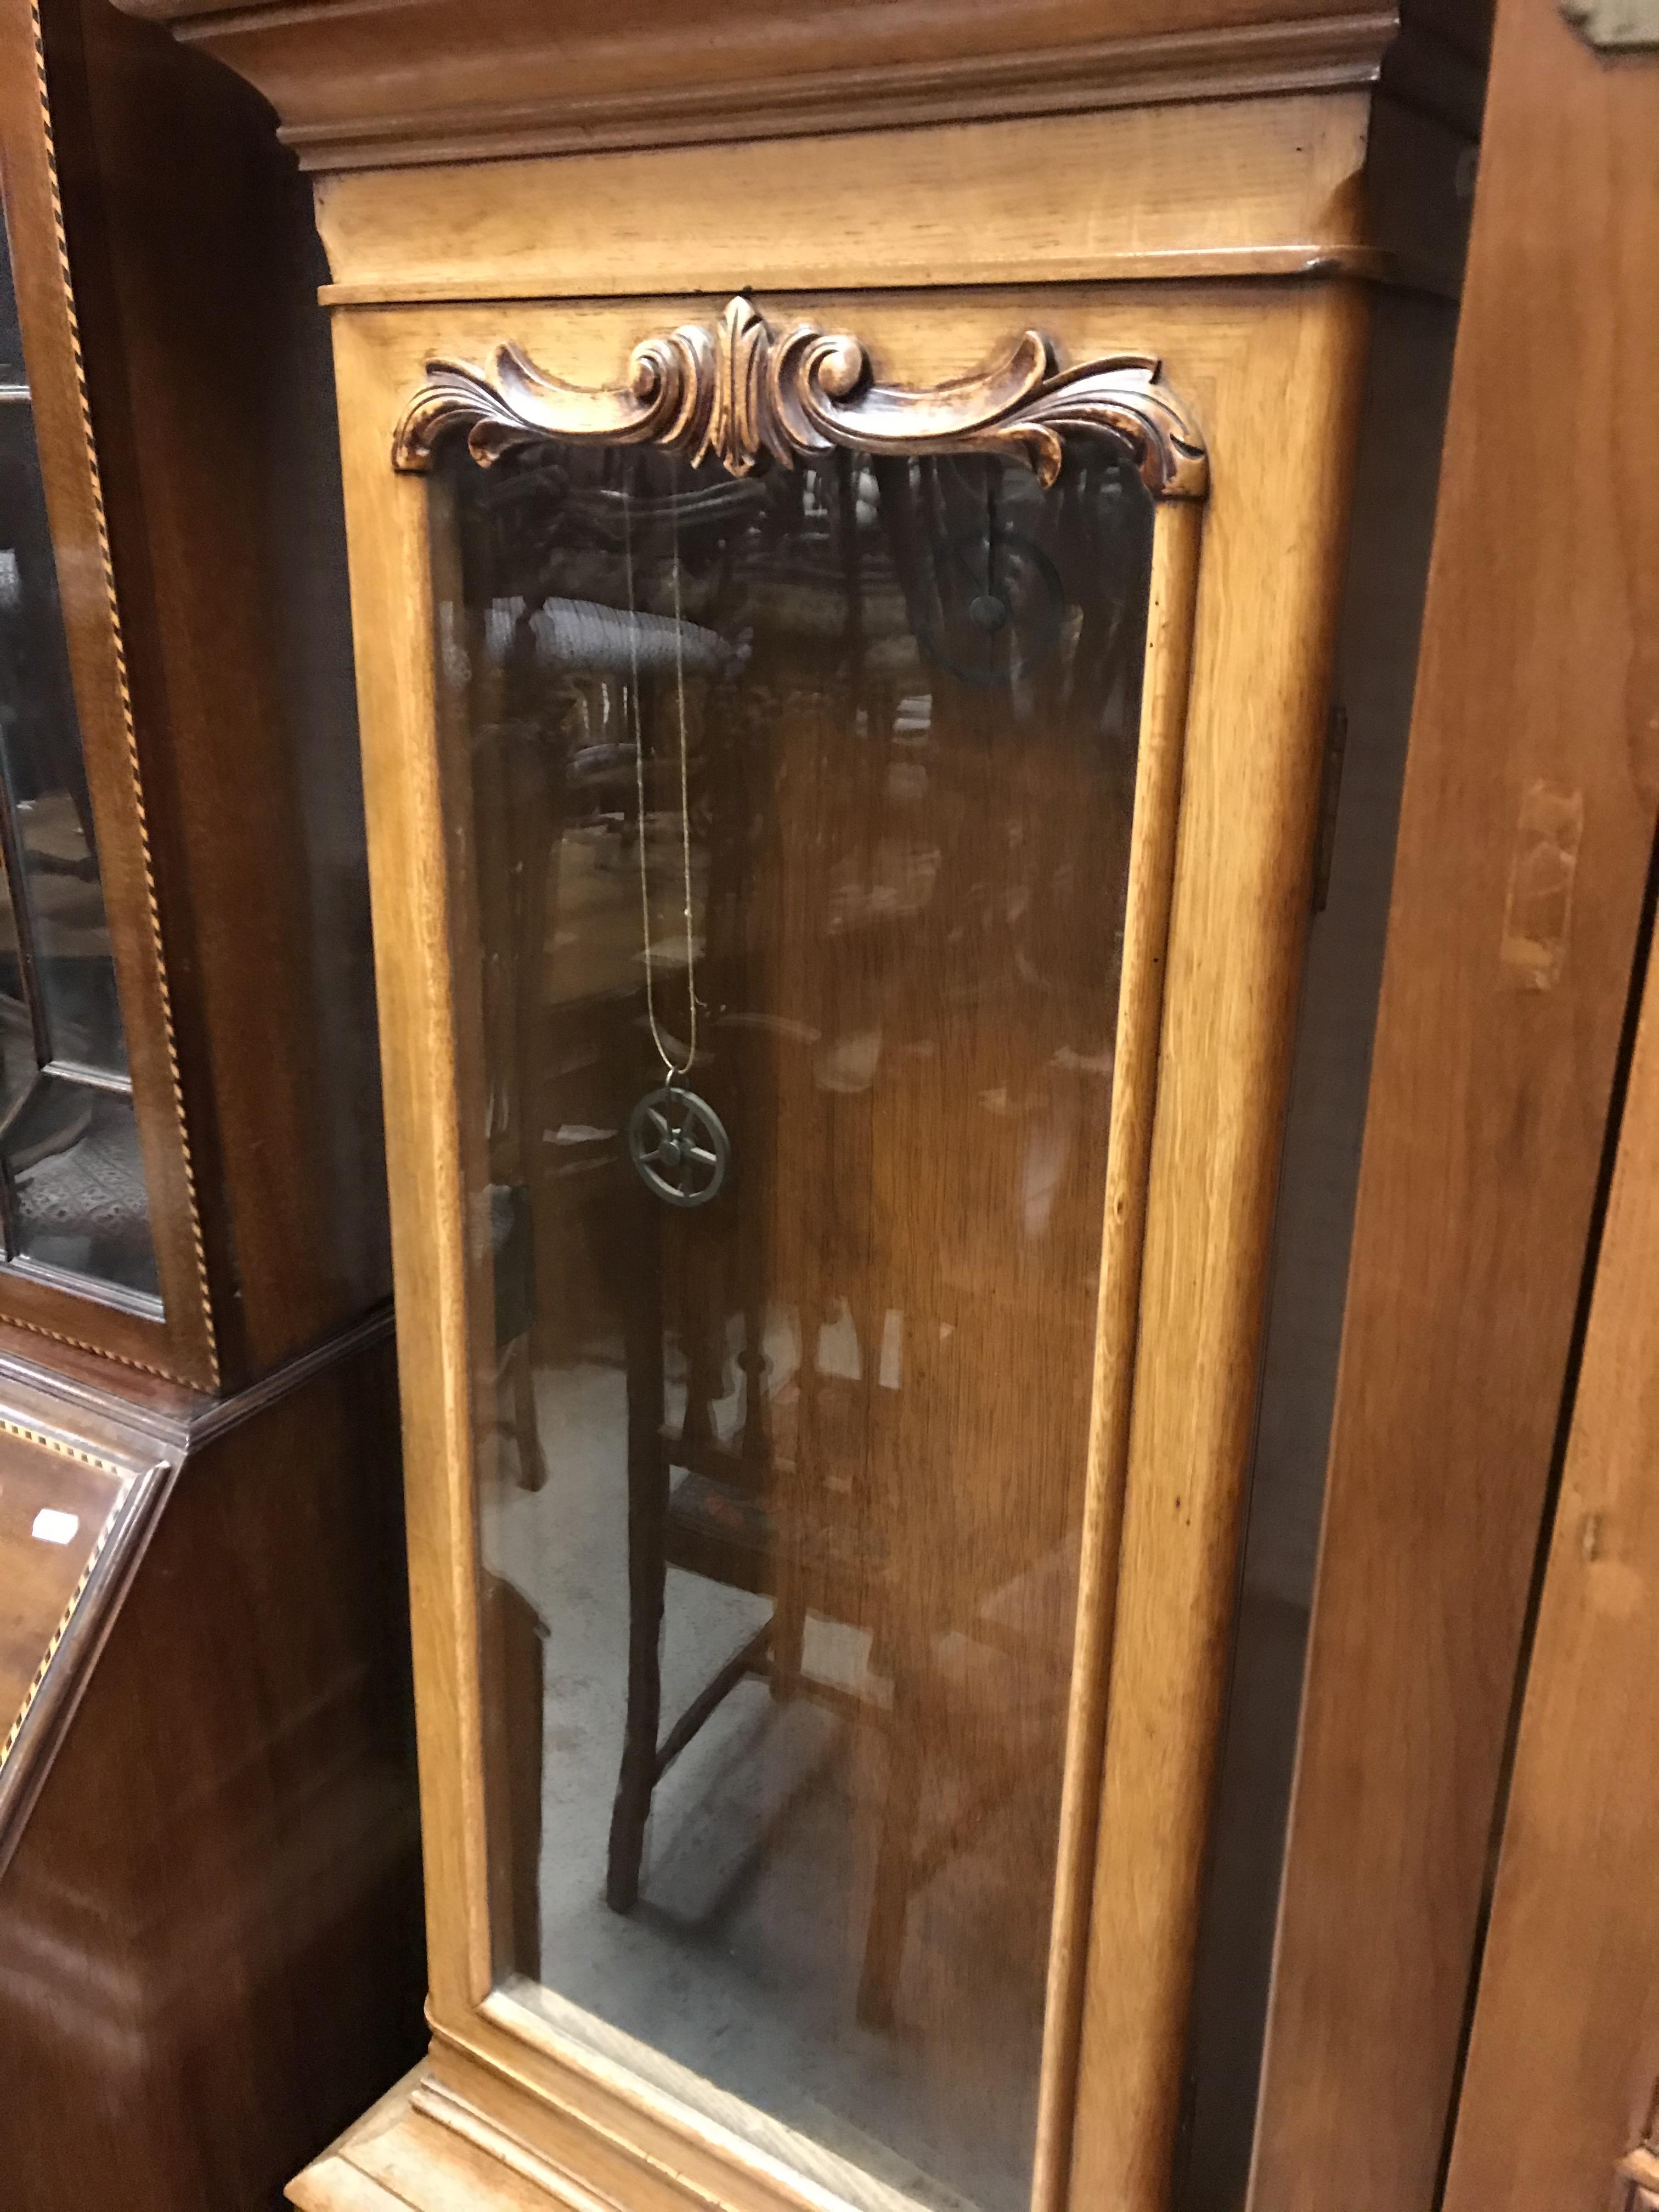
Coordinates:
209 1867
210 1941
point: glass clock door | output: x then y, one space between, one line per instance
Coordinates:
795 842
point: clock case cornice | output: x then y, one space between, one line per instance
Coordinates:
377 84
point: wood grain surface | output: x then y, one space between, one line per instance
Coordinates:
209 372
397 2158
1526 832
1242 878
216 713
462 82
1565 2051
1263 186
181 1346
41 1566
209 1921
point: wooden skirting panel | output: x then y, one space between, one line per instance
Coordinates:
398 2158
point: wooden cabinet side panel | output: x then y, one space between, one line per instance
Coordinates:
1556 2091
209 1930
1526 832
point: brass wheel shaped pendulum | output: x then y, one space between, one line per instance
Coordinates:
675 1139
678 1144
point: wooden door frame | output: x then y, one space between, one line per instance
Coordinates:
179 1343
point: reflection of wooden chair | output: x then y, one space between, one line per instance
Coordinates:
769 1525
729 1518
717 1522
880 1546
518 770
514 1639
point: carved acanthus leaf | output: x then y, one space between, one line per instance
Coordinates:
737 393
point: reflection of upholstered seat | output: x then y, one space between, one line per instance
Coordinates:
721 1530
81 1200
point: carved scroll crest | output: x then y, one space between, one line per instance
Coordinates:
738 393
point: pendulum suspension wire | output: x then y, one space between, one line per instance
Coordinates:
675 1067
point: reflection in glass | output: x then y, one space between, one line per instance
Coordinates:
11 336
72 1194
781 1492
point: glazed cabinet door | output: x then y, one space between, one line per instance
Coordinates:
101 1234
841 782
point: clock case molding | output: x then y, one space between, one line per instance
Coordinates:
740 393
511 298
452 84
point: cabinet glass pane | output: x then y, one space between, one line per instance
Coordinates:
782 1491
11 336
71 1182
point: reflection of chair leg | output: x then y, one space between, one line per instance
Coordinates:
526 1429
788 1629
514 1638
884 1942
648 1568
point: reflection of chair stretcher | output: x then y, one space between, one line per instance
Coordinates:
77 1178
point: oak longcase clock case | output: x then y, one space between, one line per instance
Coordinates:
847 563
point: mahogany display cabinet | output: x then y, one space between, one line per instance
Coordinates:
871 531
207 1817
